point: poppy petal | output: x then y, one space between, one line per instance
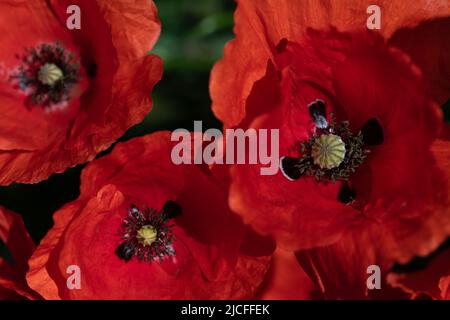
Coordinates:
207 262
429 280
428 45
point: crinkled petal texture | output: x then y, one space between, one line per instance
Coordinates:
381 238
209 262
113 93
261 24
444 285
16 248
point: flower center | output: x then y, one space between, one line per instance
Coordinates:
46 74
49 74
147 233
328 151
333 152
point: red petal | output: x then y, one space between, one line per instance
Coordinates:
430 280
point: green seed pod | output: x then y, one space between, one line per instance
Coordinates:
328 151
49 74
147 235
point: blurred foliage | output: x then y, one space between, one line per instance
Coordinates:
193 36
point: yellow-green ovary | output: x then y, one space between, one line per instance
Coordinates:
328 151
147 234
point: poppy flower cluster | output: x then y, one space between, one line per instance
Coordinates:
164 230
363 180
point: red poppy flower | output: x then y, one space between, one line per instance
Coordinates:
144 228
427 44
16 247
67 94
358 133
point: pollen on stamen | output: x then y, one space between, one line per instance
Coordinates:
46 74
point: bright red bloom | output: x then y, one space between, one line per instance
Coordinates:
395 205
16 248
67 94
202 249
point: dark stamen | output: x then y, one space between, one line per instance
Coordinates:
171 209
372 133
125 251
317 111
346 194
290 168
91 70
